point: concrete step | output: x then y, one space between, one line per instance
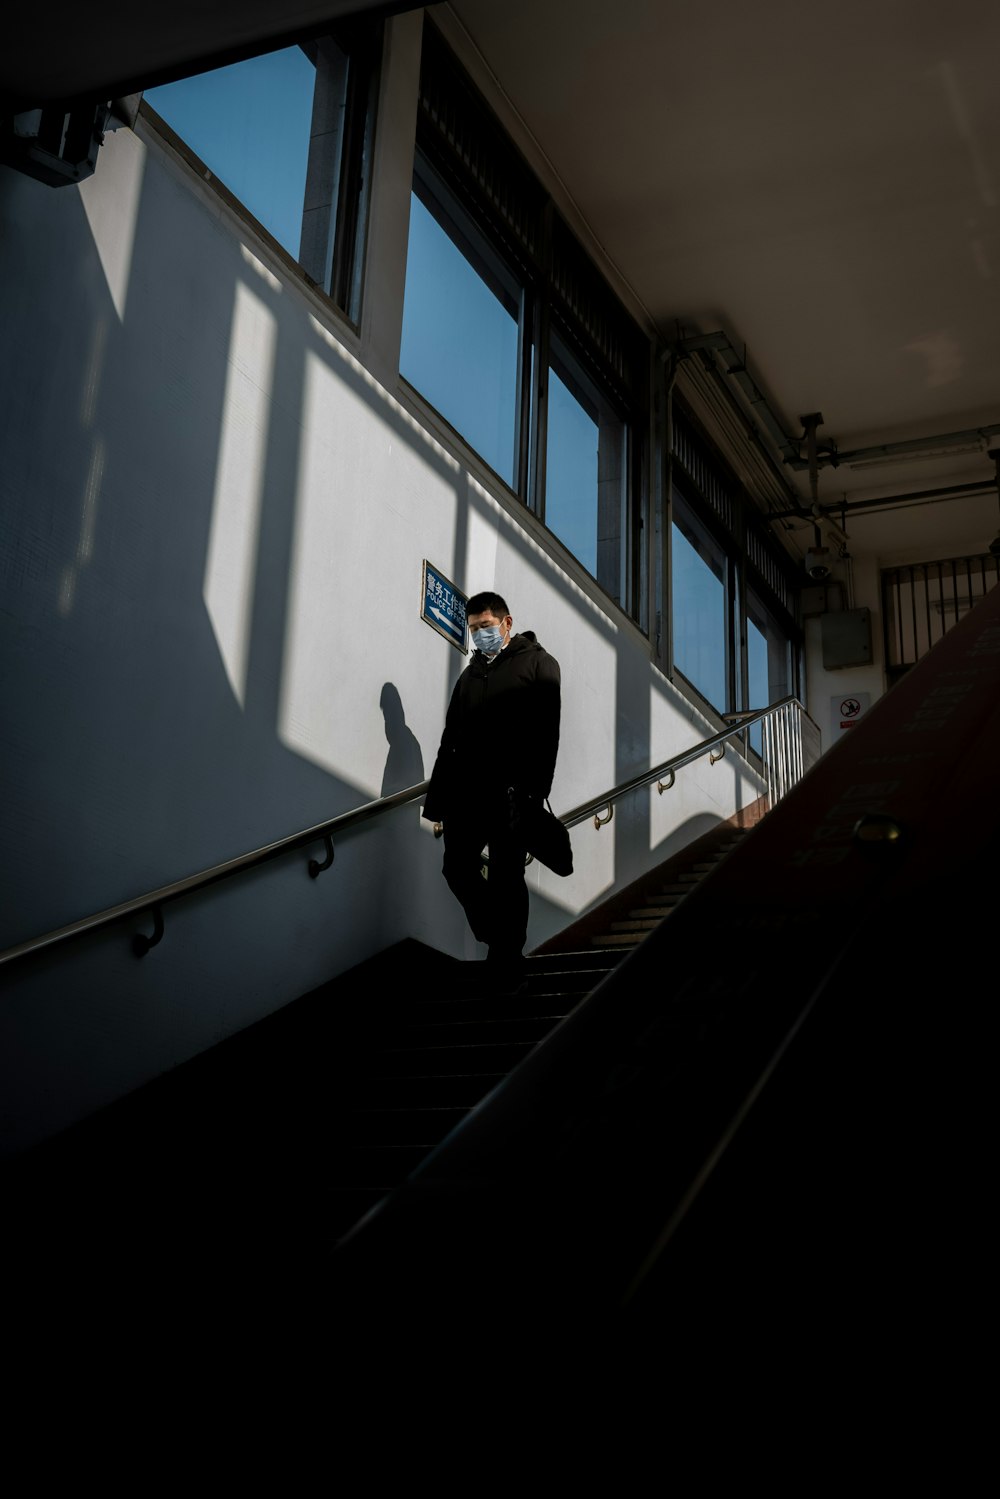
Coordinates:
460 1032
376 1168
525 1006
397 1061
397 1128
420 1089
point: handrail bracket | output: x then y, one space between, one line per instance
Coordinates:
315 867
140 942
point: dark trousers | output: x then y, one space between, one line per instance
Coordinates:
496 907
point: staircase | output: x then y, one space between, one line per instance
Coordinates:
421 1064
621 923
287 1133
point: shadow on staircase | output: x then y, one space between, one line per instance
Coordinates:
259 1155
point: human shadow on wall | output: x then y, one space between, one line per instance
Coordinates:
404 764
410 858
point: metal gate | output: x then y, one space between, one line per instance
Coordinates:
921 602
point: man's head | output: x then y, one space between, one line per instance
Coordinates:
486 613
487 603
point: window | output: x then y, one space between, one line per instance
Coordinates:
732 592
290 135
698 593
260 154
769 661
461 323
586 471
511 333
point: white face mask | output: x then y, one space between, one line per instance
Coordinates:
488 640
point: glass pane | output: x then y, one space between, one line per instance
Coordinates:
571 473
585 472
249 123
768 663
699 614
460 336
757 667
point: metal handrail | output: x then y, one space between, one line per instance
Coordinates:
660 773
154 900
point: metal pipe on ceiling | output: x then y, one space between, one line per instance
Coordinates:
951 492
825 454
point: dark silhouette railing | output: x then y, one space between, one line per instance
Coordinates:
783 767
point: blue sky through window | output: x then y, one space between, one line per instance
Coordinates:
699 606
571 474
459 345
758 670
250 124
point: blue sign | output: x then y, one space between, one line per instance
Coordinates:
443 606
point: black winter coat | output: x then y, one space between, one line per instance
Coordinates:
501 729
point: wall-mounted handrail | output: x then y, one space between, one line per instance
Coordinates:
323 832
666 771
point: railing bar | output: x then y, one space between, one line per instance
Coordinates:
324 830
587 809
899 625
215 874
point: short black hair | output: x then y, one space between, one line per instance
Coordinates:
487 603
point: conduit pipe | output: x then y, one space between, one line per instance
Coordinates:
790 448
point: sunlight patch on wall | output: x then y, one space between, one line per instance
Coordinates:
111 203
368 508
260 269
88 526
340 549
231 563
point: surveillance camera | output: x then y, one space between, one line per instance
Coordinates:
818 563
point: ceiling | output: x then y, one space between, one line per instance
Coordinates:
820 184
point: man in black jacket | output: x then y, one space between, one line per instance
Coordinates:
497 756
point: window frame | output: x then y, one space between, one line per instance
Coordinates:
759 574
462 153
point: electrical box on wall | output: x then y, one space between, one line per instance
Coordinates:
847 638
821 598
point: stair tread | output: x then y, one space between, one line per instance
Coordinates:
395 1060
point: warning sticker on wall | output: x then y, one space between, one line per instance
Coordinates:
845 711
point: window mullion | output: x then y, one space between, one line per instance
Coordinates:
540 367
525 357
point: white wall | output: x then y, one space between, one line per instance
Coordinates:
214 524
